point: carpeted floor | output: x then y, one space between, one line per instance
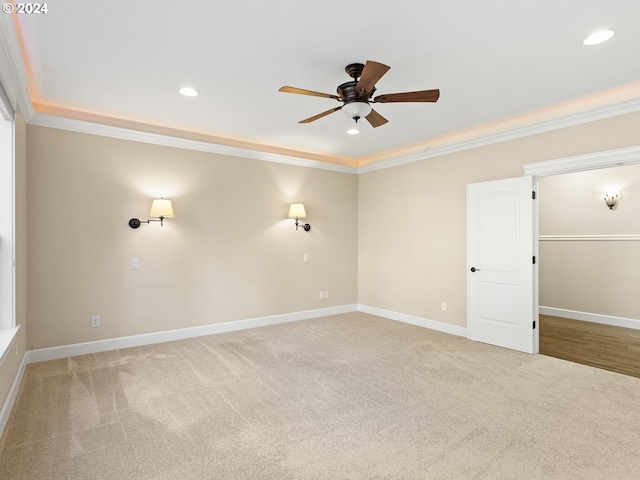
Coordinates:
351 396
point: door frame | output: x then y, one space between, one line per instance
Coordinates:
579 163
582 163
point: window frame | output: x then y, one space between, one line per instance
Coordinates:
8 327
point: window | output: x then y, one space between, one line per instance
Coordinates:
7 226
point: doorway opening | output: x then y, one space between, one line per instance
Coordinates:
589 258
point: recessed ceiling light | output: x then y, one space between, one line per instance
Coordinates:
353 131
599 37
188 92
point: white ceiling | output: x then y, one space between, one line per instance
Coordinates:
497 64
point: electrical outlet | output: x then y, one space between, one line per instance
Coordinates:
95 321
326 294
443 306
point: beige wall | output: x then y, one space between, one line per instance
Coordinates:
591 276
412 218
229 254
9 367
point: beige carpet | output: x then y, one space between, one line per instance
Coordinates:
345 397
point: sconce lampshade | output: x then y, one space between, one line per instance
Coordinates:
161 208
296 210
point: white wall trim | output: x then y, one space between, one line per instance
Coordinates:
591 317
7 336
64 351
15 80
81 126
593 115
550 167
413 320
588 238
19 89
581 163
12 394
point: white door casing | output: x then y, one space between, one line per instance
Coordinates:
501 274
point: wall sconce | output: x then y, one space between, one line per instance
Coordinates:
160 209
611 199
296 210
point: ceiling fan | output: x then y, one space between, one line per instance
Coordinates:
357 95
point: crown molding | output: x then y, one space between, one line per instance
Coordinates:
81 126
14 79
624 156
600 113
605 159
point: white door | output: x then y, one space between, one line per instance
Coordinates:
501 273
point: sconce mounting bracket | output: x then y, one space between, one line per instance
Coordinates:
134 223
305 226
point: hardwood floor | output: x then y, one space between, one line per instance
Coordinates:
603 346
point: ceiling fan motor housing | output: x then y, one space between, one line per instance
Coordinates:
356 104
348 93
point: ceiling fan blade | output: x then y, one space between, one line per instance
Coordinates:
301 91
375 119
371 73
320 115
421 96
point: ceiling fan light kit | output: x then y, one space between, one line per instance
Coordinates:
356 110
357 95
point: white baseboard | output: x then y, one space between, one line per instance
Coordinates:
413 320
64 351
591 317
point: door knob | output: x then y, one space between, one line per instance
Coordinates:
474 269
